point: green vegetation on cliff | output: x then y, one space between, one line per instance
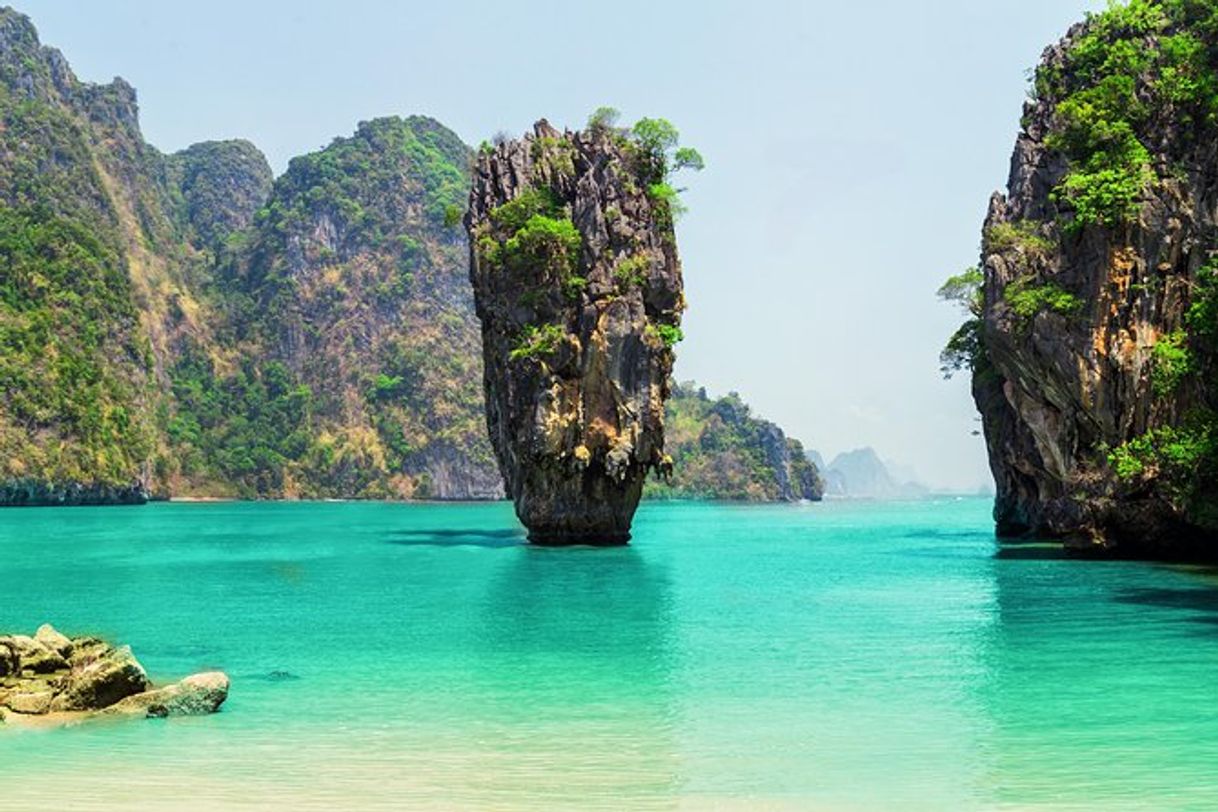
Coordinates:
222 184
720 450
183 324
964 350
73 361
1133 66
350 287
74 368
1138 94
1092 349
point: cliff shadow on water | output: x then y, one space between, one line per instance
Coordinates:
1091 678
457 537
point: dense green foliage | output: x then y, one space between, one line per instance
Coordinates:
537 234
660 151
348 177
654 144
1023 236
1182 459
669 334
248 425
719 450
543 242
353 289
1027 298
1134 64
533 236
72 361
631 272
1172 361
964 350
538 341
74 366
221 181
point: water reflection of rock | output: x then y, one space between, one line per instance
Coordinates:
576 666
1099 688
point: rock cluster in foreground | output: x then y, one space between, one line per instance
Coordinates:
578 285
52 677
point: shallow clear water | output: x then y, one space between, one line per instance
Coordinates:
836 656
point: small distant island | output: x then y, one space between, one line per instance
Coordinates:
861 474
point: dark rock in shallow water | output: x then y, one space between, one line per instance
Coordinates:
578 287
9 661
37 680
37 493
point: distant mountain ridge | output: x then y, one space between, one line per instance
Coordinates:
862 474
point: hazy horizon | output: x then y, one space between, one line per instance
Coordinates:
850 156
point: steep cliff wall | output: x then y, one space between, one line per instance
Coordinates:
1093 351
348 298
178 324
578 287
94 288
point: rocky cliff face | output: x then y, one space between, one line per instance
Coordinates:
223 185
91 264
180 324
349 299
1095 344
578 287
721 451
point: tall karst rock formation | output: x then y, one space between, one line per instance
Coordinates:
1096 340
578 286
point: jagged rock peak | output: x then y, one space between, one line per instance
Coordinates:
578 286
35 71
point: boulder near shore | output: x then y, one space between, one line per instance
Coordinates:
50 678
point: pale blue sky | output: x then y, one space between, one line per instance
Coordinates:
851 151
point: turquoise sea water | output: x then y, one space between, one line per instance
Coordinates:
836 656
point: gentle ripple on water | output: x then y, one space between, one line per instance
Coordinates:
849 656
